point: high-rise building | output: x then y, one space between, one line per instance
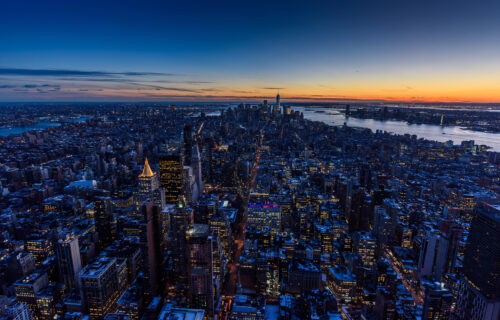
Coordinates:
199 265
287 110
100 287
188 143
153 246
46 303
68 260
191 191
277 107
218 258
452 233
196 165
105 221
364 245
437 302
179 220
221 226
171 180
131 302
303 277
479 290
381 227
19 264
384 304
432 258
12 309
264 216
41 249
149 188
204 210
28 287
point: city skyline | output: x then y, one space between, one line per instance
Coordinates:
223 51
250 160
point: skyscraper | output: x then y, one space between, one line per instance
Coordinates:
277 107
191 192
68 260
171 180
287 110
452 232
149 188
200 268
188 143
432 259
153 246
365 245
100 287
479 290
196 165
105 220
437 302
179 220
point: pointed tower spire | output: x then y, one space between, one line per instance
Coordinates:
146 171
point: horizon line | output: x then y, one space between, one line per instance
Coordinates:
340 102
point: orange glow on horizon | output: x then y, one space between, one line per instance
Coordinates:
459 95
446 89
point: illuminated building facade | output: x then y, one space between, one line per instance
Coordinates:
221 226
171 180
324 233
437 303
365 245
277 107
45 303
341 283
100 287
287 110
264 216
41 249
27 288
148 188
188 143
180 219
200 267
131 302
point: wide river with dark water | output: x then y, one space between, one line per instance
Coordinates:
336 118
426 131
7 131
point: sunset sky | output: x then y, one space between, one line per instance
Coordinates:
333 50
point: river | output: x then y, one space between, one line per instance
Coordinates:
43 124
426 131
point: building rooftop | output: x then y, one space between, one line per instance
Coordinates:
199 231
97 268
168 312
146 171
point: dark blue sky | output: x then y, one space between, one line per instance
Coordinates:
337 49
